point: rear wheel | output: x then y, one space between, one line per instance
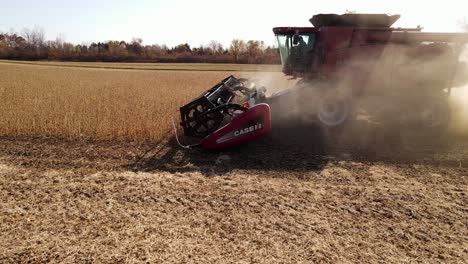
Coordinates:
333 111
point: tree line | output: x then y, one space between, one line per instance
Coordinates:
31 45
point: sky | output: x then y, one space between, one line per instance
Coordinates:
200 21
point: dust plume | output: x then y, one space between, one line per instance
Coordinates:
395 93
459 100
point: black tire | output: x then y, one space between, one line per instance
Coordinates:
335 111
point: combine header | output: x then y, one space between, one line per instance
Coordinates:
340 60
227 114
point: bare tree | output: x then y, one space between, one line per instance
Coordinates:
216 47
35 37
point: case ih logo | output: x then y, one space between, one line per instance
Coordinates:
251 126
249 129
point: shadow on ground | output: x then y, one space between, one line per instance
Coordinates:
302 148
289 148
286 149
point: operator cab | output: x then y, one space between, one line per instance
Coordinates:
296 47
299 52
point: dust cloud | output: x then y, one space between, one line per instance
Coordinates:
459 100
399 87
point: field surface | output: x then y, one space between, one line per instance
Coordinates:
89 172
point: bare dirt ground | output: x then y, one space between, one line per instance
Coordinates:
276 200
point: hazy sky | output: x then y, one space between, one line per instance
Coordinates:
199 21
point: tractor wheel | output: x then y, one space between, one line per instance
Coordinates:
334 111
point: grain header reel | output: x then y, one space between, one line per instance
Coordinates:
229 113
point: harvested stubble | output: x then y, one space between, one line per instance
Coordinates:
95 103
347 213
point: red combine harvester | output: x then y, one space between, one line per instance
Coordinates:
340 60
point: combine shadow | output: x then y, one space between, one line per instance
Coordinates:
294 147
286 149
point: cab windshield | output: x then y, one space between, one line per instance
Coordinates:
296 50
